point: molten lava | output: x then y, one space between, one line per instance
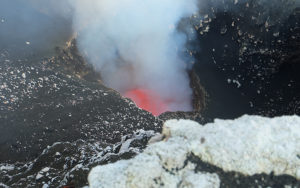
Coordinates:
147 100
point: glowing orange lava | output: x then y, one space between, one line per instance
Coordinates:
147 100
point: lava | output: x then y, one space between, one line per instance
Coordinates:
147 100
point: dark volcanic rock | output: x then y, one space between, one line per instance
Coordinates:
68 163
58 120
72 62
198 101
227 153
41 104
235 179
248 57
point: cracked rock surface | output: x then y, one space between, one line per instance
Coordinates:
227 153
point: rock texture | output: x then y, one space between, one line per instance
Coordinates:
56 113
68 163
247 57
41 104
54 116
249 146
58 120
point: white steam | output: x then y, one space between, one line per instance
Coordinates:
136 44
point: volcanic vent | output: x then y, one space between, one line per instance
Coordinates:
147 100
144 98
138 49
151 101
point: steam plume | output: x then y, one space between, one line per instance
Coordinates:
136 44
25 30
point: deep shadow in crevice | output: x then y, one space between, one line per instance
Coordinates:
237 180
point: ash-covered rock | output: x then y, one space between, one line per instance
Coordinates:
68 163
236 179
70 59
247 57
60 104
199 103
41 104
250 151
58 120
196 116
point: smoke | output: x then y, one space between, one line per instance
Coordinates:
25 29
136 44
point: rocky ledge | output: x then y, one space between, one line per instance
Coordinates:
251 151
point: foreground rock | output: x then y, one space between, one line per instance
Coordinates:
54 120
68 163
250 151
41 103
57 120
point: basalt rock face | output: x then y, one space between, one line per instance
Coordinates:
68 163
70 59
199 103
227 153
54 117
41 104
248 57
58 120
